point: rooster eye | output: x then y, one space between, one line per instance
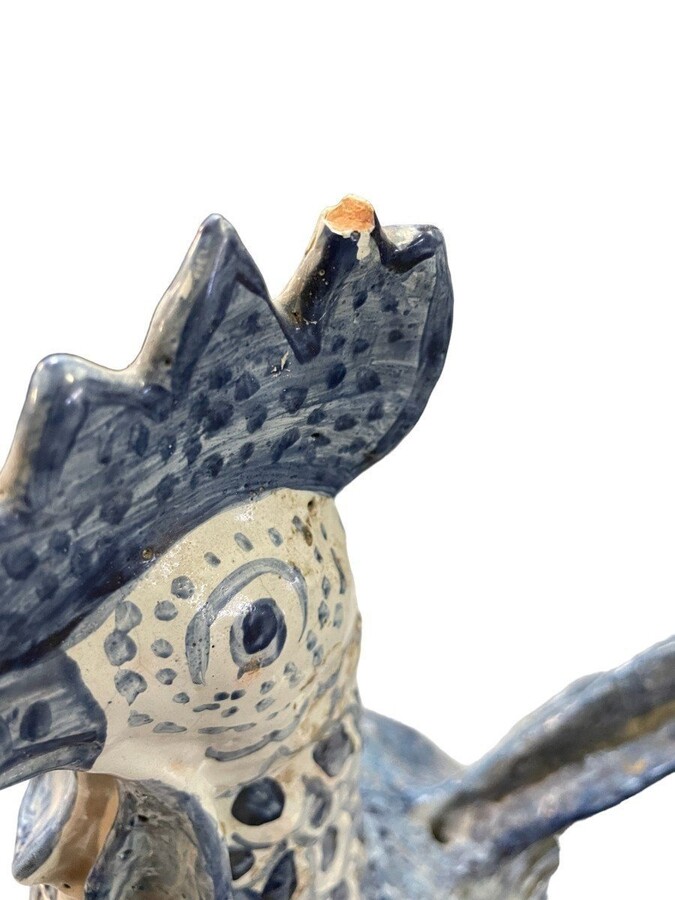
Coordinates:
258 637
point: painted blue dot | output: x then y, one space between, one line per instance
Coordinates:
243 542
182 587
168 728
119 648
345 422
127 616
260 802
136 719
162 648
20 563
129 684
246 386
275 537
367 380
336 375
165 611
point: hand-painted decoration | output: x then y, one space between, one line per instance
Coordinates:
179 634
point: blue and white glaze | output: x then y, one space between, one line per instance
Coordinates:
179 637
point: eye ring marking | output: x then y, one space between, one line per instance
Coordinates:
198 633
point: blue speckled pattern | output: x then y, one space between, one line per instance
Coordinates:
232 395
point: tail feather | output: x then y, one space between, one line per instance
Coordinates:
600 741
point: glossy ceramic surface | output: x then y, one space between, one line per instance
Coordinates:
180 635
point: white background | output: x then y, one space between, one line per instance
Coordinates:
523 534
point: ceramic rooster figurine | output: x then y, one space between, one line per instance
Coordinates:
179 634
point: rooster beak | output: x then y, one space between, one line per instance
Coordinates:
48 719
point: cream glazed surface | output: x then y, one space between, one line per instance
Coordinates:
229 672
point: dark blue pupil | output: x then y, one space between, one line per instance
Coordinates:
259 627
